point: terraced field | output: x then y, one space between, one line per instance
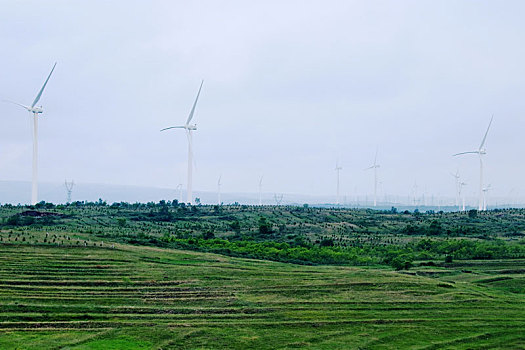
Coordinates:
148 298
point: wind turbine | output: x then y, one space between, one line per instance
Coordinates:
480 152
189 129
219 190
374 166
260 190
461 184
337 169
36 110
456 177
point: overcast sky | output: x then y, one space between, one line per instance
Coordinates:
290 87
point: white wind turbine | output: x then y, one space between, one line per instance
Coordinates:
456 177
189 129
480 152
260 190
374 166
35 110
462 194
219 190
338 170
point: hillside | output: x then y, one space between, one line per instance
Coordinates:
149 298
147 276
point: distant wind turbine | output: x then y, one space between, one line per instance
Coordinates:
219 190
189 129
260 190
36 110
338 170
480 152
456 177
374 166
462 194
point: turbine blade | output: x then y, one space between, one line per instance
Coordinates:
18 104
43 87
375 158
173 127
485 137
190 117
457 154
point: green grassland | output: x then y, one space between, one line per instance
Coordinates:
144 297
112 277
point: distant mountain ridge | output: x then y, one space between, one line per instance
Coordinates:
19 192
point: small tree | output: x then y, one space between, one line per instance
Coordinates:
208 235
327 242
402 262
265 227
236 226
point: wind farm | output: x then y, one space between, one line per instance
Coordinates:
329 199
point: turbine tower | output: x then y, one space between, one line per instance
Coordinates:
69 189
260 190
485 190
337 169
189 133
462 194
374 166
35 110
456 177
219 190
481 151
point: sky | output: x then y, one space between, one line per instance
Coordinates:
290 88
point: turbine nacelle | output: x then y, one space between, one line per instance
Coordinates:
191 127
36 109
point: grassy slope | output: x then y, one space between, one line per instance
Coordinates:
141 298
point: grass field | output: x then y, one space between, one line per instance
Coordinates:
132 297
